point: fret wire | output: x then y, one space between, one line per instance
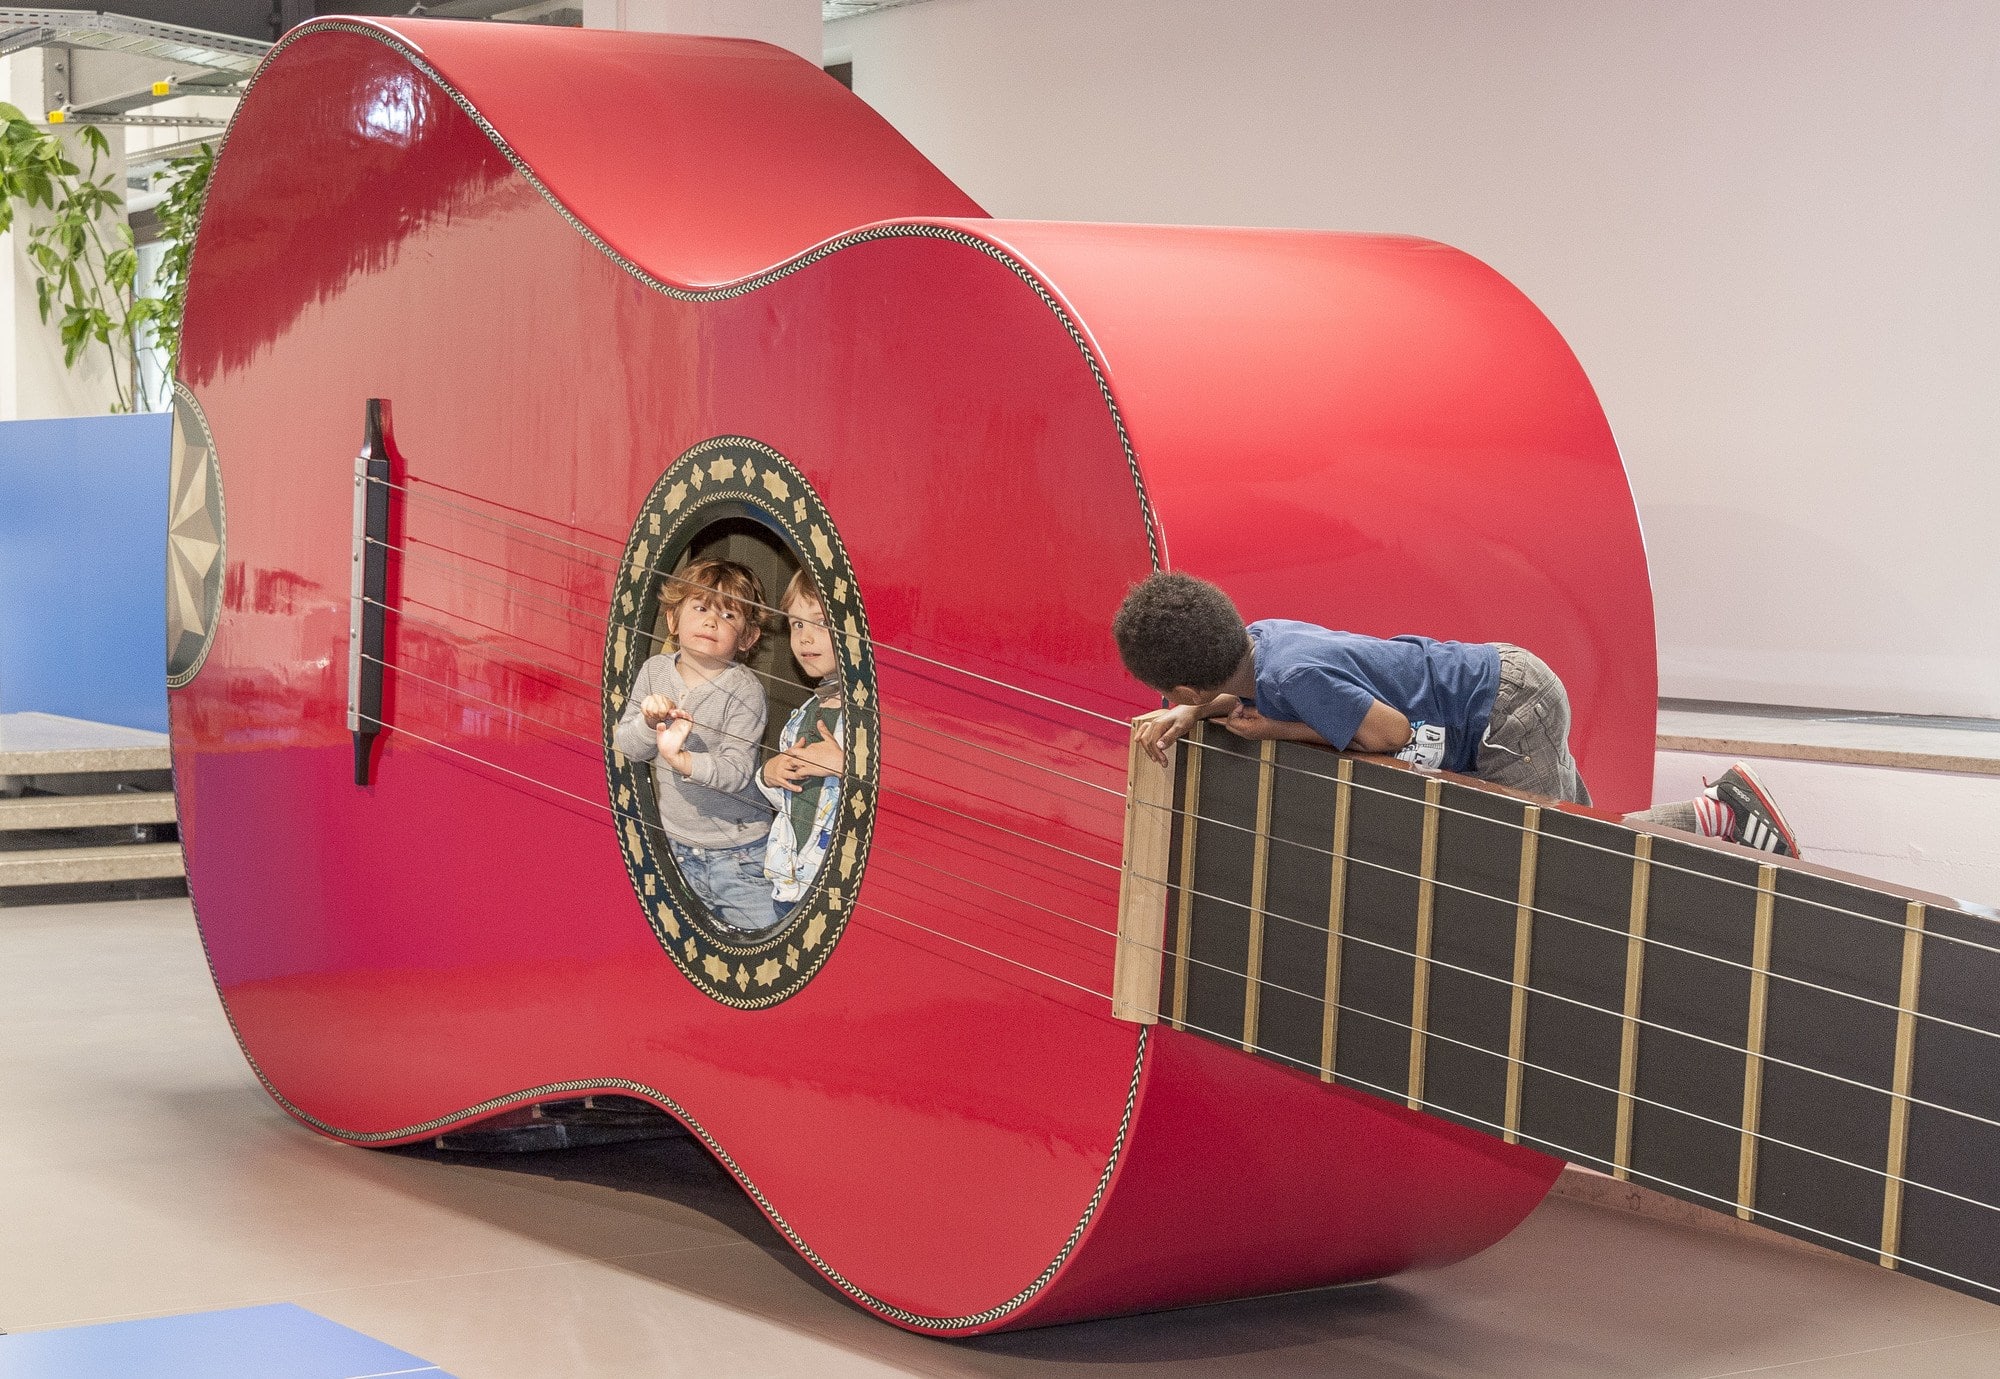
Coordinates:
1420 968
1628 1034
1905 1061
1353 1010
1565 1152
1608 929
1693 840
1182 939
1260 863
1753 1066
1336 916
1524 931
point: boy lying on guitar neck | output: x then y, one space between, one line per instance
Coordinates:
1489 710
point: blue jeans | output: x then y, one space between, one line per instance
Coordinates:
730 881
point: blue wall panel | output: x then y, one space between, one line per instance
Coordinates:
83 520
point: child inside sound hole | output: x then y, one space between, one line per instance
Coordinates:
698 716
802 778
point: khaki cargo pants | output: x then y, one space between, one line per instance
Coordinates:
1526 746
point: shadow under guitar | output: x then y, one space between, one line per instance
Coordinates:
1566 1284
674 1168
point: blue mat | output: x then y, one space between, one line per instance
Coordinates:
275 1342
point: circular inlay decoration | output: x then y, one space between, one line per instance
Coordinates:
731 477
195 555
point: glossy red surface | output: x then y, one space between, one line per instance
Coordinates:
946 1120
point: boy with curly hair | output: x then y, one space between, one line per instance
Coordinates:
1489 710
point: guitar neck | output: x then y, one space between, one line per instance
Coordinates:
1809 1052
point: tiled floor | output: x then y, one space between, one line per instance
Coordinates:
142 1171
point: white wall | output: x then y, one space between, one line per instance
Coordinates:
791 24
1767 227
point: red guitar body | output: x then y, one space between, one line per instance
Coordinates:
567 258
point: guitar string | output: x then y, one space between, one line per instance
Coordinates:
757 745
1648 939
656 570
1431 959
1622 934
1198 743
1684 840
1565 1151
1328 853
641 820
1562 1150
761 674
596 620
653 823
598 746
1080 709
1427 1034
1323 932
619 563
1735 1129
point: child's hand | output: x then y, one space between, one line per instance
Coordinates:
657 709
825 754
672 737
1162 728
1247 723
789 770
786 771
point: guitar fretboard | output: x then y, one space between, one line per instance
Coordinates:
1816 1054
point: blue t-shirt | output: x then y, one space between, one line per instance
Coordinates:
1327 680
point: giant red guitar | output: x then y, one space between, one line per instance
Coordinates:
589 303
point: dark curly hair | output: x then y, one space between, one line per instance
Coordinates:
1175 629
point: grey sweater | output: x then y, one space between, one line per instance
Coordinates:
718 805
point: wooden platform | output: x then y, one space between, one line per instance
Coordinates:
47 744
83 803
1969 746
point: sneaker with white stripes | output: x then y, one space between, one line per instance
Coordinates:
1757 822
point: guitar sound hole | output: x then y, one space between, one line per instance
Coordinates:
735 500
